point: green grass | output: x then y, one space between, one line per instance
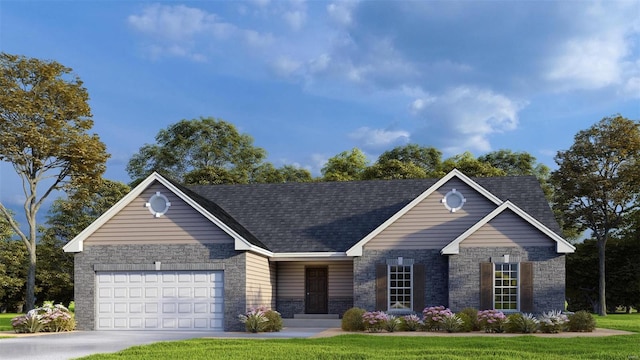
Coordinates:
5 321
399 347
391 347
628 322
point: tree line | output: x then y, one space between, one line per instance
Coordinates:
45 125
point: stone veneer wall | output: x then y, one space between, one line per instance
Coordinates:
287 307
364 275
548 275
220 256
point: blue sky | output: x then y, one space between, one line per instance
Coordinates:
311 79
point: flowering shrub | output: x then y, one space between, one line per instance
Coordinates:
412 322
374 321
451 323
392 324
255 319
521 323
553 322
49 318
491 321
434 316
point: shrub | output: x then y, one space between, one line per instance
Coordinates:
72 307
582 321
374 321
521 323
467 322
274 321
553 322
352 319
491 321
254 320
434 316
392 324
473 317
451 323
49 318
411 322
472 313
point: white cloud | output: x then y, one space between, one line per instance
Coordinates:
285 66
341 12
295 19
463 118
379 138
176 23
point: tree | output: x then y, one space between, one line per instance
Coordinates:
267 173
520 164
12 269
44 119
346 166
470 166
426 158
198 151
67 218
596 183
394 169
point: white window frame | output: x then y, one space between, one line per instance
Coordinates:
389 287
518 271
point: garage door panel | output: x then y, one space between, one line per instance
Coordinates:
159 300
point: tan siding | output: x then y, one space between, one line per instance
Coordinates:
134 224
260 290
291 278
505 230
429 225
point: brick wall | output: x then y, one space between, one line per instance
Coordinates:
222 256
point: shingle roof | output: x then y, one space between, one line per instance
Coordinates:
334 216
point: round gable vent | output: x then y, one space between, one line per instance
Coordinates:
158 204
454 200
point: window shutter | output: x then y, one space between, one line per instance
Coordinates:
486 286
381 287
418 287
526 287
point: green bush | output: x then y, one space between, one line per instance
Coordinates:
521 323
451 323
274 321
72 307
467 322
352 320
473 317
582 321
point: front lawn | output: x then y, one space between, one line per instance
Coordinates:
401 347
390 347
5 321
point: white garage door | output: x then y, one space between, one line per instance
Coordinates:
159 300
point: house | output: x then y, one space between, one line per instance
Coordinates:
168 256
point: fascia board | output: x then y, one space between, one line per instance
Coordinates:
310 256
76 244
356 250
562 246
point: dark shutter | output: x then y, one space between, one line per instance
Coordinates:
418 287
381 287
526 287
486 286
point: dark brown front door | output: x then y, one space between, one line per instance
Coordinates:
316 290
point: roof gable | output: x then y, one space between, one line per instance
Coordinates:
356 250
562 246
229 226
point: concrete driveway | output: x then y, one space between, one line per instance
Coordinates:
64 346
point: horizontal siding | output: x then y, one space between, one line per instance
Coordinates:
429 225
507 230
260 290
134 224
291 283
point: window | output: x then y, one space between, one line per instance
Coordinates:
506 286
453 200
400 287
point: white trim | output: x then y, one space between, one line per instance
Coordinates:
310 256
562 246
76 244
390 308
493 280
356 250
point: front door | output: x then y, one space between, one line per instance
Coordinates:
316 290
